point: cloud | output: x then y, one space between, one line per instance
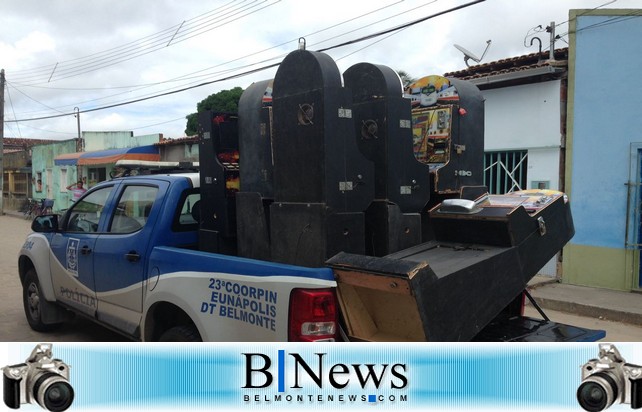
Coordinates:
36 35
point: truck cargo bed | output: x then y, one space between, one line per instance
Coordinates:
451 288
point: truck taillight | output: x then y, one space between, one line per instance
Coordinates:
313 315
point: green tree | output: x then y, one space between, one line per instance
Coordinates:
223 101
406 78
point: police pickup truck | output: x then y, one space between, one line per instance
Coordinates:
125 256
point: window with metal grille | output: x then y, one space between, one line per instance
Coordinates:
505 171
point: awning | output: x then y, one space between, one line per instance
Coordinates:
102 157
67 159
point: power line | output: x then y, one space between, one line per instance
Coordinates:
613 20
586 12
402 26
280 56
560 36
609 21
376 22
368 37
48 131
141 47
156 124
31 98
187 76
47 69
14 112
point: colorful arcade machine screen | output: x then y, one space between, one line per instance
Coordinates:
433 99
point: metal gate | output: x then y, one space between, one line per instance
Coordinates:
505 171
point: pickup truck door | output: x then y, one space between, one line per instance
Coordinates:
121 254
72 247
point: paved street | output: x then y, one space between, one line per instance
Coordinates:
14 327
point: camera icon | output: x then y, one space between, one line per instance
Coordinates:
41 379
608 380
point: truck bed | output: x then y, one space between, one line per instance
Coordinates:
526 329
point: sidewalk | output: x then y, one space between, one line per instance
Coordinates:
590 302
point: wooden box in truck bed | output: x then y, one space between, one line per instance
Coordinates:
451 288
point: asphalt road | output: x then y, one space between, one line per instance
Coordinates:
14 327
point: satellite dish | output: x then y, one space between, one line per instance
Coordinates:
468 55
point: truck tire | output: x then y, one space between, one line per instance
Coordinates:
31 299
183 333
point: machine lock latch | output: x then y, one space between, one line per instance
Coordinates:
542 225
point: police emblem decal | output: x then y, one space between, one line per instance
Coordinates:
72 256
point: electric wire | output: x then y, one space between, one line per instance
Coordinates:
399 27
111 58
280 56
191 75
392 30
48 131
14 113
48 67
31 98
609 21
586 12
136 43
376 22
612 20
109 54
561 36
156 124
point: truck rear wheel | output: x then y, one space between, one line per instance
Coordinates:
32 301
183 333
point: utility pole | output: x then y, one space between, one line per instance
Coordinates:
1 142
551 50
79 142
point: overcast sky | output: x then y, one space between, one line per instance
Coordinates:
59 55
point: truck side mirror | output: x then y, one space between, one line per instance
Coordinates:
45 223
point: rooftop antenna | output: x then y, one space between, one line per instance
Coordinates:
470 56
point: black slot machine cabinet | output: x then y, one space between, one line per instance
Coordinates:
431 292
382 120
219 175
322 183
257 171
255 139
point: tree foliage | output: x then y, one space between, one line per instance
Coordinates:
406 78
223 101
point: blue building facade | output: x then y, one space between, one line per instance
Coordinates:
604 148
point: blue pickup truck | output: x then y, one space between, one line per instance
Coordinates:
125 256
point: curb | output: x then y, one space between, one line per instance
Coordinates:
540 283
596 312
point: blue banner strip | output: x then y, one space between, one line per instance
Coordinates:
450 377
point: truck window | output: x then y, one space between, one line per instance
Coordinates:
188 212
85 214
133 209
